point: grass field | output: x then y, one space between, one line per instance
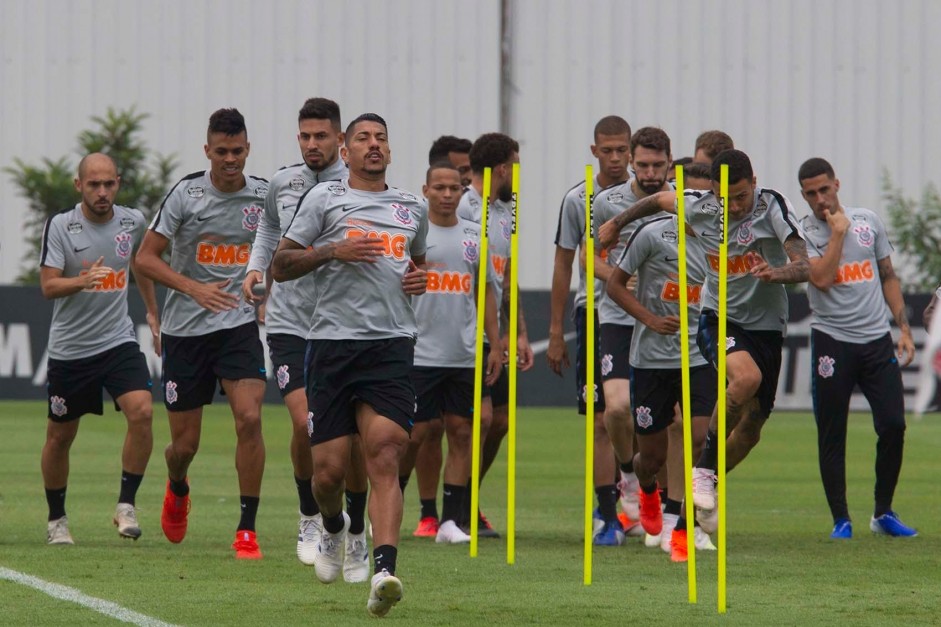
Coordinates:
782 568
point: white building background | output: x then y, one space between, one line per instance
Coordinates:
848 80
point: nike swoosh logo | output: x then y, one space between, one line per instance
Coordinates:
345 209
671 259
78 250
202 218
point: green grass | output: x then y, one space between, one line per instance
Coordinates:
782 569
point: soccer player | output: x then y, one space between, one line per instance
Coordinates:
765 251
709 144
444 353
498 152
650 158
851 282
455 150
209 334
365 241
86 254
289 308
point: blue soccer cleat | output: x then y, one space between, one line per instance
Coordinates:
842 529
889 525
611 534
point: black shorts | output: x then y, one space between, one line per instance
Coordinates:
443 390
375 372
580 316
74 385
616 351
764 347
655 393
287 357
193 365
499 392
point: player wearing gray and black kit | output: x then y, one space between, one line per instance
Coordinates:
851 282
765 251
87 253
210 334
364 241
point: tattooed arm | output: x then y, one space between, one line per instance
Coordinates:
661 201
796 270
892 291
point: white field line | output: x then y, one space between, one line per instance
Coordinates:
72 595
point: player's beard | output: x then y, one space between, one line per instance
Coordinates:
651 187
505 193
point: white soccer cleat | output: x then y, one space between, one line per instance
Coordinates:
450 533
356 563
704 488
708 519
308 535
651 541
125 519
57 531
703 541
330 553
629 486
666 534
385 592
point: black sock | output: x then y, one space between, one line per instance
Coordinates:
628 466
384 558
452 502
663 495
403 481
249 511
305 496
710 452
649 489
129 484
333 524
356 509
429 508
681 523
179 488
56 500
607 501
465 507
671 507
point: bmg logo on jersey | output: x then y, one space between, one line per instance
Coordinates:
393 244
252 217
113 282
208 254
122 244
449 282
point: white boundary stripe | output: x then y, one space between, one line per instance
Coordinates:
72 595
541 346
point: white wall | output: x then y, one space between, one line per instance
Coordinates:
845 79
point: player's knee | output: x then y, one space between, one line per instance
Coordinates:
894 430
60 438
435 430
185 448
329 475
248 424
140 416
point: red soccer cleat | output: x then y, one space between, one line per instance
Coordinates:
678 550
651 516
173 517
427 528
246 545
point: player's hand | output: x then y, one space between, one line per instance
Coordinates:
558 353
359 249
759 268
524 353
665 325
838 222
608 234
906 348
632 284
95 274
415 281
493 366
214 297
252 279
154 323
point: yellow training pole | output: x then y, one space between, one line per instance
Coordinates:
684 370
479 363
723 311
589 367
511 428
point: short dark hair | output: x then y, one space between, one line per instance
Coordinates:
440 164
739 166
685 161
815 167
320 109
713 142
365 117
652 138
447 144
697 171
491 150
228 121
612 125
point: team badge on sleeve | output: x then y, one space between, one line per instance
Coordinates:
169 392
284 377
471 252
864 235
825 366
337 189
613 197
296 184
195 191
122 244
252 217
401 214
643 418
408 196
57 406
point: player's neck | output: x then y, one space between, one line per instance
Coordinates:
91 216
477 184
228 188
605 181
368 182
438 219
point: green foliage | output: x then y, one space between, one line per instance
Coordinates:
916 228
49 186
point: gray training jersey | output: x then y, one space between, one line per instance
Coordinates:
652 255
361 300
290 304
91 321
853 309
447 312
608 204
211 233
499 230
752 304
571 231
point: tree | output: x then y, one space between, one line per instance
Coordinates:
49 189
917 233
